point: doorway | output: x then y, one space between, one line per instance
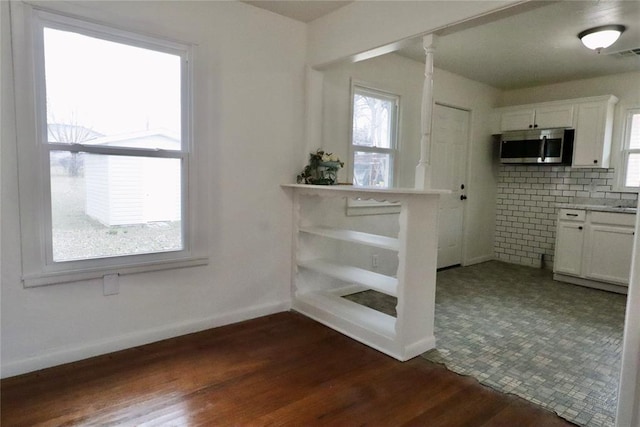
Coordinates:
449 172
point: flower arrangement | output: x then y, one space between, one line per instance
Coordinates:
322 169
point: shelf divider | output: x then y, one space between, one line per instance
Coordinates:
368 239
376 281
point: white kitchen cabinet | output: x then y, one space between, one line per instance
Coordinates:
539 117
569 243
328 253
594 248
608 254
592 140
592 119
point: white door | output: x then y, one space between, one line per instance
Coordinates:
448 165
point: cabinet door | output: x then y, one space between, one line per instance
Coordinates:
568 253
609 253
589 143
517 119
557 116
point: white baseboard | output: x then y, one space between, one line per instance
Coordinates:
96 348
478 260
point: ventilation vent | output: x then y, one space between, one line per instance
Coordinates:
628 53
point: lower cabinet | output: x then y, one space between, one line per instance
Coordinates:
569 244
594 248
609 253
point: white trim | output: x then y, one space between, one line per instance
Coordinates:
109 345
38 266
625 151
393 151
628 411
34 280
478 260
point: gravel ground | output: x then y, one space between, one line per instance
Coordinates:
78 236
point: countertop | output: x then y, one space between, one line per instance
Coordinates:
599 208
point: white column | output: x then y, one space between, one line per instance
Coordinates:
423 170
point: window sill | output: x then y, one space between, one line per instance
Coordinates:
44 279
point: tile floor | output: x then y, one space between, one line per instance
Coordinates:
517 330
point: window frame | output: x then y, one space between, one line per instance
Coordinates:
370 90
28 23
626 151
357 207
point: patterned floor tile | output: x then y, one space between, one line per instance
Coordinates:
517 330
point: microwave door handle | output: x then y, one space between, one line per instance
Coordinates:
543 143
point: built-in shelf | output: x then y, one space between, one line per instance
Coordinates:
376 281
356 314
319 284
359 237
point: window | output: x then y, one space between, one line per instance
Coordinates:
631 150
111 139
374 137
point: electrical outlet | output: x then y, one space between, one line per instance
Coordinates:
374 261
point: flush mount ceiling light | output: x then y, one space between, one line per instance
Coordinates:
599 38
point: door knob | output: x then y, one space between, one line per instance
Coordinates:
463 197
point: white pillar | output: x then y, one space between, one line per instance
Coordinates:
423 170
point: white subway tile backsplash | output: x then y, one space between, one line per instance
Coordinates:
526 206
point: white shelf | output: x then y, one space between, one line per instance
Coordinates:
319 284
368 239
351 312
379 282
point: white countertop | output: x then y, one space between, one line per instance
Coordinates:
599 208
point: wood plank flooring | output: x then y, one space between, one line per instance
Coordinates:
282 369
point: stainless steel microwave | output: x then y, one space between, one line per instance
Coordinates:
539 146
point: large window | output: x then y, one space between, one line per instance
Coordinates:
111 151
374 137
631 151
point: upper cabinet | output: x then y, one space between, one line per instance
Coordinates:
541 117
594 125
592 119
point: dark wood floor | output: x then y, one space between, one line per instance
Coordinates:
282 369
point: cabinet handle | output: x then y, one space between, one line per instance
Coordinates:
535 126
580 228
571 214
595 161
530 126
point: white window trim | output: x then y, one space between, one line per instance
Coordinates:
625 151
372 207
37 266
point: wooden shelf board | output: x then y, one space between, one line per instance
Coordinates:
368 239
379 282
364 317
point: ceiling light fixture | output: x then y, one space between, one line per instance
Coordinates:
599 38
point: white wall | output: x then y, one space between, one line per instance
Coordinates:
405 77
391 73
249 106
373 25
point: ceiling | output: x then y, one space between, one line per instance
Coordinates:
300 10
535 47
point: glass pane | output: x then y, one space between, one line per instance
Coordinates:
634 132
372 169
372 121
107 93
633 171
103 206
